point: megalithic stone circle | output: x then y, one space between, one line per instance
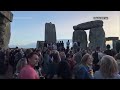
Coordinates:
96 35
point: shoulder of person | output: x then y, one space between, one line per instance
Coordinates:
97 75
82 67
97 72
117 76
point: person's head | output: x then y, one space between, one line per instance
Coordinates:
48 51
63 49
108 66
38 51
87 59
27 52
69 56
33 59
68 40
16 47
71 48
70 52
108 46
56 56
97 48
21 63
62 55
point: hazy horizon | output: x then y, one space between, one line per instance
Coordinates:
33 45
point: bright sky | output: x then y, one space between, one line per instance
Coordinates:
29 26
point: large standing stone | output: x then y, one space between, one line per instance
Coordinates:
114 40
7 34
97 38
117 46
80 36
97 34
88 25
5 19
50 33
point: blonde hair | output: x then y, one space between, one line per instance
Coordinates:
56 56
62 54
85 58
21 63
108 66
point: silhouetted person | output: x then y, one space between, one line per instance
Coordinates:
58 45
68 44
62 44
108 51
45 44
78 44
75 46
97 55
77 56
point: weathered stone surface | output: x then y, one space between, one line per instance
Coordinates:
80 36
117 46
50 33
114 44
2 31
111 38
97 38
7 14
5 29
7 35
40 44
89 25
114 40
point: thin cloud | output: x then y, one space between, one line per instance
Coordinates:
23 18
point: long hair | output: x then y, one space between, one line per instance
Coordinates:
108 66
56 56
85 58
21 63
62 55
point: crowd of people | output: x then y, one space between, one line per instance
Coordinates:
54 61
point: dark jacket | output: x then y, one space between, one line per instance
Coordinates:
64 70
